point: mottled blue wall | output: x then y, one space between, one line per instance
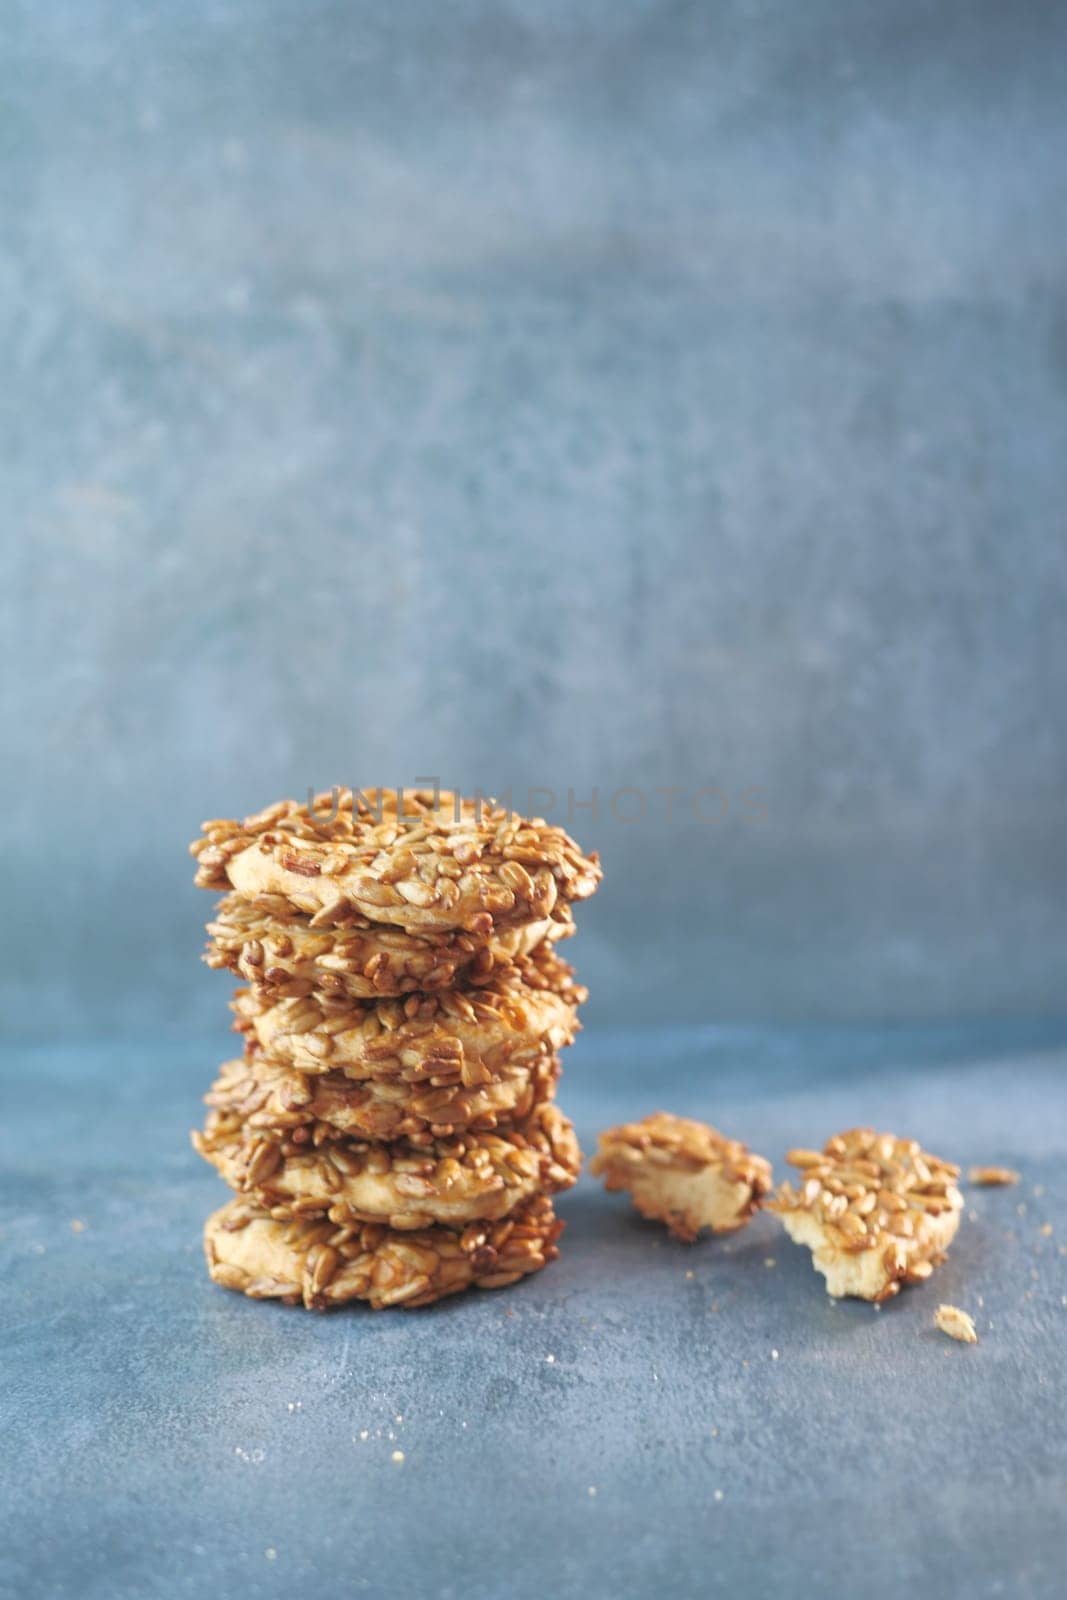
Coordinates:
571 394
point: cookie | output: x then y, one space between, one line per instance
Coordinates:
323 1265
465 1035
268 1096
876 1211
417 860
683 1173
282 957
451 1181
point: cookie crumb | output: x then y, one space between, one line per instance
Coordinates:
956 1323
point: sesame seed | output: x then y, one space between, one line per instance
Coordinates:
990 1177
718 1494
270 1553
774 1355
398 1456
956 1323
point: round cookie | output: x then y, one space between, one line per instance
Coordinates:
271 1097
465 1035
418 860
282 957
450 1182
323 1265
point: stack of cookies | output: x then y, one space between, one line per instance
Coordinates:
390 1129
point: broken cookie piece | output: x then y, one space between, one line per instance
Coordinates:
876 1211
683 1173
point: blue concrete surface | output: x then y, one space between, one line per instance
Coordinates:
627 393
163 1438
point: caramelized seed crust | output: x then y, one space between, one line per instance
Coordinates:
452 1181
682 1172
880 1200
321 1264
465 1035
282 955
268 1096
414 859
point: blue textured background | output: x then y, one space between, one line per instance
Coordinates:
544 393
167 1440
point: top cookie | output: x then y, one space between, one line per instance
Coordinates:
414 859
